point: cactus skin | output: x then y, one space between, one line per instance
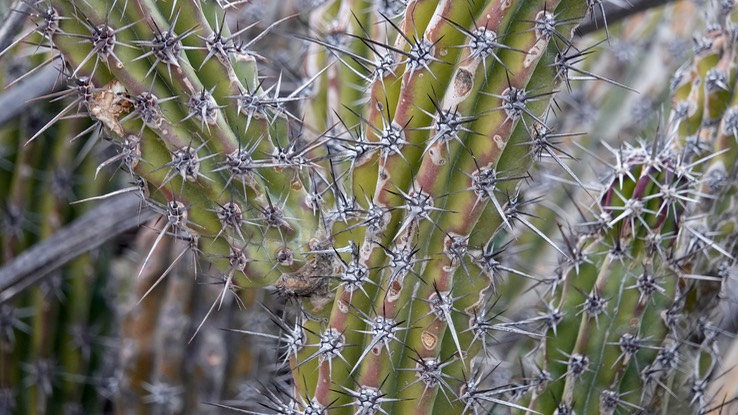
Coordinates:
378 195
643 338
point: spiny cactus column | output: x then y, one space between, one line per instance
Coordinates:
630 316
424 240
50 341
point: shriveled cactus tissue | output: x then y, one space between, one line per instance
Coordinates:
378 207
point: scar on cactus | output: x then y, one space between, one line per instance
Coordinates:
312 279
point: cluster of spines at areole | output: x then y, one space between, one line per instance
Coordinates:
382 191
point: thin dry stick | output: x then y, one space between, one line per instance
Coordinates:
102 223
13 22
16 99
615 13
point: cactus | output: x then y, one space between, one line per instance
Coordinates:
58 327
387 196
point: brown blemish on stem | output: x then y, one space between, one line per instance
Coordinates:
429 340
534 53
109 104
499 142
342 306
311 280
394 291
436 157
463 82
